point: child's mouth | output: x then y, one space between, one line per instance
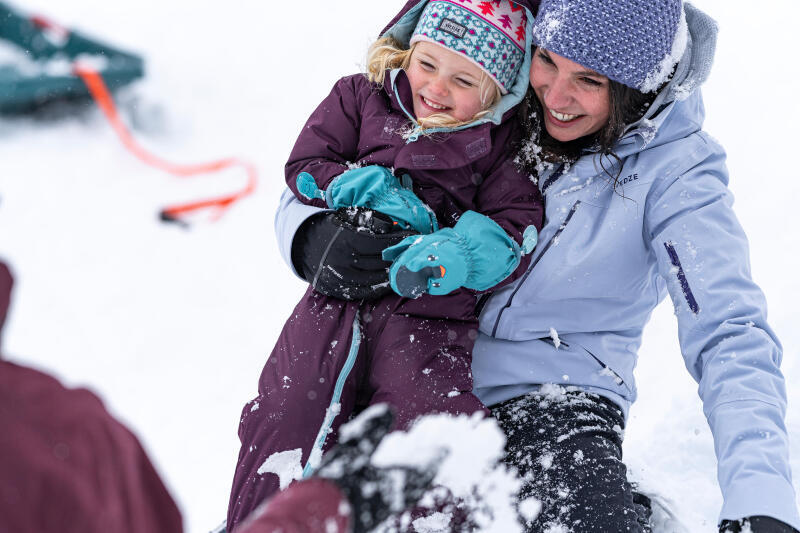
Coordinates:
433 105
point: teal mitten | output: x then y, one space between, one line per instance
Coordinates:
476 253
373 187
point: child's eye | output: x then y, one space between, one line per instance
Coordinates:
465 83
426 65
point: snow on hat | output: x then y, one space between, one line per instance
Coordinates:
634 42
491 34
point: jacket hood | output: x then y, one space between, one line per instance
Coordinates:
6 282
402 26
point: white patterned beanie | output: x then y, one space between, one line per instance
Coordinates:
490 34
634 42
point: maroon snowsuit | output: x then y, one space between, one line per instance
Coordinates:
413 354
66 464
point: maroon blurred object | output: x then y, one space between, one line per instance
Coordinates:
66 465
308 506
6 282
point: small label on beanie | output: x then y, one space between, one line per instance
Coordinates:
453 28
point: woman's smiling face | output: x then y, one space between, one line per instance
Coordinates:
574 98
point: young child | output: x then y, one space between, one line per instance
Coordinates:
425 137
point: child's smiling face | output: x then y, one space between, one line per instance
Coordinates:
444 81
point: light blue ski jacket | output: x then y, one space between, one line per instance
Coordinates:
606 258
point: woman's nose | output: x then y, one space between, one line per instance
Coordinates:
558 94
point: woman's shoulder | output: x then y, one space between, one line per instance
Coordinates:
666 157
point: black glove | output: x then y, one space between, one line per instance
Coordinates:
758 524
339 252
374 493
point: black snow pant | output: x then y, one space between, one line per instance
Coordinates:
567 447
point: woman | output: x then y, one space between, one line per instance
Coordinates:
637 205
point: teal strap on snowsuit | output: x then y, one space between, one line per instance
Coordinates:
476 253
333 409
374 187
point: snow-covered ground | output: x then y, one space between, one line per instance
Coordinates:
172 327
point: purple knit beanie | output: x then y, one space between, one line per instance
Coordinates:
490 34
634 42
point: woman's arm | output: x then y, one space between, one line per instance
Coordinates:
336 252
727 344
289 217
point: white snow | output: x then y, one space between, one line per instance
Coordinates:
662 71
286 465
530 508
173 327
451 443
435 523
554 337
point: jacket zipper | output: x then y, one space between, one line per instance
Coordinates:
534 263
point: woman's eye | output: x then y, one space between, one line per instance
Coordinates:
591 82
545 58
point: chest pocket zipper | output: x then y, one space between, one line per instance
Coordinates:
534 263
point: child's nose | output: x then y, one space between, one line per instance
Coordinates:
438 86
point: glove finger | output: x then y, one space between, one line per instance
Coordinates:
339 286
358 275
363 264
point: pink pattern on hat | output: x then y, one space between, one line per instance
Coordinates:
505 15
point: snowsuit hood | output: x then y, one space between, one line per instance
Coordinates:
6 282
402 26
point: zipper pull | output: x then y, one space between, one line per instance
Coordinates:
414 135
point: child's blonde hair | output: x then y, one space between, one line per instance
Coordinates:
388 53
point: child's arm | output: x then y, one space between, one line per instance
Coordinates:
329 139
511 199
486 249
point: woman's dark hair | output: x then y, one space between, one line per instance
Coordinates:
626 106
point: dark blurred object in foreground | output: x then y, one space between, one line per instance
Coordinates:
66 465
